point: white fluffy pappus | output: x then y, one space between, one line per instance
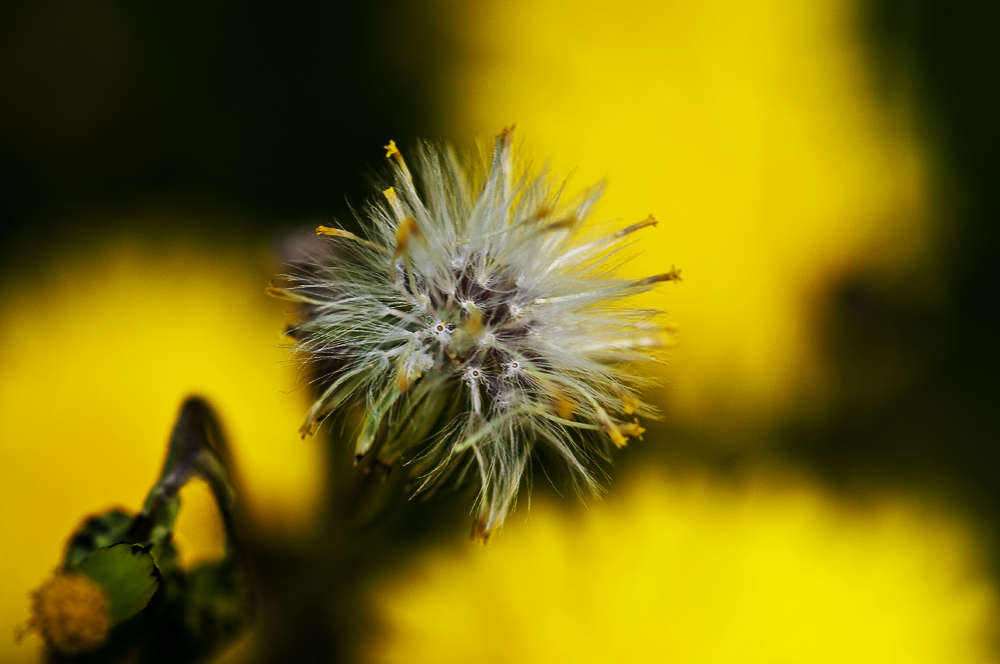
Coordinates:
479 322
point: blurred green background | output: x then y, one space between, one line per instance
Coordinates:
822 486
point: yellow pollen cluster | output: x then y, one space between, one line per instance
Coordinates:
72 612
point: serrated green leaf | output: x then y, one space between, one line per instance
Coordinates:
127 574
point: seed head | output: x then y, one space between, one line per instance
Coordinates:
478 322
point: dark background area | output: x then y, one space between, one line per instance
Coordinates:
916 377
269 112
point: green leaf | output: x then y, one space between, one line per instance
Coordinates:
127 574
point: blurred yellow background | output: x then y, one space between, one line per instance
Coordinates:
695 569
753 132
97 356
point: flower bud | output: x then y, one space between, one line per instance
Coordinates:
76 610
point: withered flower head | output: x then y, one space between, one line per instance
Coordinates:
477 322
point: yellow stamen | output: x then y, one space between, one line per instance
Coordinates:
392 152
541 213
337 232
564 407
397 208
407 228
561 404
632 429
506 139
562 224
630 403
649 221
507 136
612 429
479 533
616 436
673 275
391 149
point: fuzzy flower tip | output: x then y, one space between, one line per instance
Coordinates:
478 322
